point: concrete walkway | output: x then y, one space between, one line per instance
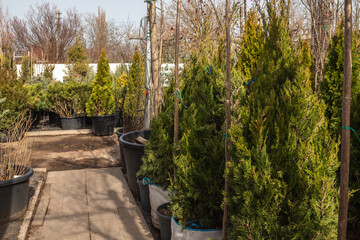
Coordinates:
88 204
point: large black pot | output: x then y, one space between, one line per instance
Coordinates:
14 197
122 158
144 194
164 222
133 153
70 123
103 125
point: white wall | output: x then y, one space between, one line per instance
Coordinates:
60 69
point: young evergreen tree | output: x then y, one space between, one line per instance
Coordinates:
282 173
158 162
199 164
27 69
77 61
331 92
101 101
134 98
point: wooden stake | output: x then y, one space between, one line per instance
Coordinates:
177 46
228 119
345 139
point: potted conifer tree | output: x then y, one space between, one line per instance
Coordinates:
284 161
101 105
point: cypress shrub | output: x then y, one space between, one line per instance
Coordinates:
331 92
101 101
282 172
134 96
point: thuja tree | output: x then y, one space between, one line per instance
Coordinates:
101 101
27 69
331 92
14 92
158 159
77 61
134 97
282 173
251 47
199 164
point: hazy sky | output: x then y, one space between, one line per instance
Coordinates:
120 10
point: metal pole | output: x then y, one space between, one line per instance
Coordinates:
147 73
345 139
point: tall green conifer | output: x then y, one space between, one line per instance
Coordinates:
282 173
101 101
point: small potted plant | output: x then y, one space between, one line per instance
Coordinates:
101 105
68 101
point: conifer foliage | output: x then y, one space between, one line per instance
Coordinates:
134 98
101 101
282 173
332 89
199 163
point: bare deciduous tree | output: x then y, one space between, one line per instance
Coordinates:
322 15
45 33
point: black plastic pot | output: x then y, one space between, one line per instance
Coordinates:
133 153
14 197
118 117
144 195
165 223
103 125
70 123
122 158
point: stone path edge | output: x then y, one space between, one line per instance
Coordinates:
32 206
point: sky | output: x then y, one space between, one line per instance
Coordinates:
120 10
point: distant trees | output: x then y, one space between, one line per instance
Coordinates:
43 31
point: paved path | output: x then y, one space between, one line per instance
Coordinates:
88 204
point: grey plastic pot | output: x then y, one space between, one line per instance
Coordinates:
164 222
144 195
14 197
133 153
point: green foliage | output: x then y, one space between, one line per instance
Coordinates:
48 71
16 97
158 159
27 69
251 46
101 101
199 165
3 112
331 92
37 97
68 99
282 173
77 62
134 97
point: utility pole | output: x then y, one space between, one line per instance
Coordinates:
58 36
346 130
177 46
228 117
147 72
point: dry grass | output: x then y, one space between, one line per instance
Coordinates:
15 152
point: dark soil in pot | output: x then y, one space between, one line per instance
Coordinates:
14 197
133 153
103 125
